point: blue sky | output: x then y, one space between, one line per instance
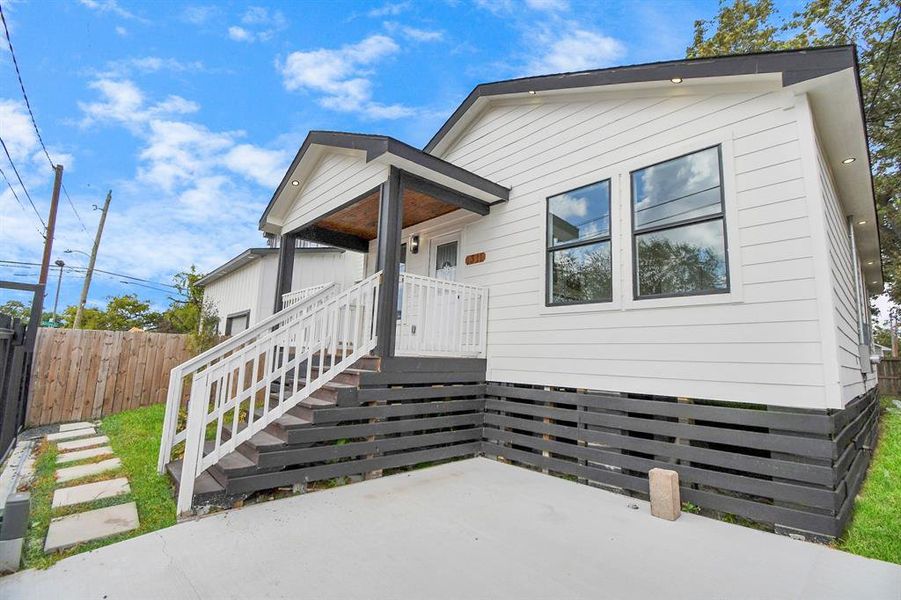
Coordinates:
190 113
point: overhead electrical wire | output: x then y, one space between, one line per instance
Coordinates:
78 268
16 196
22 183
34 122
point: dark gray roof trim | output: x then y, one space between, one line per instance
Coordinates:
247 256
795 65
377 145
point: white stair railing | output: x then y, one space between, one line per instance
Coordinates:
441 318
181 377
292 298
234 398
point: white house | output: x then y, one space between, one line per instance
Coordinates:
242 291
651 265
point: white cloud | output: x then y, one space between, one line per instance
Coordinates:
110 6
342 76
128 67
199 15
203 183
239 34
121 31
573 49
258 24
549 5
389 9
124 102
422 35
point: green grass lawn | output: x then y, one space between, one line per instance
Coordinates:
875 530
135 439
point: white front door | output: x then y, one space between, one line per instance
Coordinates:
444 256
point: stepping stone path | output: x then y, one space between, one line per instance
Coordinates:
80 442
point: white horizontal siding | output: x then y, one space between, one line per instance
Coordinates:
844 299
766 348
236 292
337 179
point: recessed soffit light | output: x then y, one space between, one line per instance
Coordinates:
295 182
848 160
861 222
676 80
532 92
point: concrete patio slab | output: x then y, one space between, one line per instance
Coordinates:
68 435
75 426
88 492
65 532
68 457
72 473
468 529
79 444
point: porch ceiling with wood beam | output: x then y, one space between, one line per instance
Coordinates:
431 187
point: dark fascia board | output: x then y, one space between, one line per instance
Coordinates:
334 238
794 65
248 255
377 145
444 194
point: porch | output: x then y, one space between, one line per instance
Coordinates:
425 306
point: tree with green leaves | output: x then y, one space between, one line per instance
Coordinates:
120 314
873 26
190 313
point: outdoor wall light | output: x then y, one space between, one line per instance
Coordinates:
532 92
676 80
295 182
861 222
414 244
848 160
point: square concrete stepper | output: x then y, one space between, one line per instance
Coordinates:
88 492
67 457
85 443
65 532
70 473
69 435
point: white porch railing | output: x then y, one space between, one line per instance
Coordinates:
441 318
292 298
300 349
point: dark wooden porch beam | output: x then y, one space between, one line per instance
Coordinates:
447 195
285 268
391 216
321 235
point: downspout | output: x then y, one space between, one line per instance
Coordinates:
863 349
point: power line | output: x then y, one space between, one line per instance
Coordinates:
12 53
78 268
16 196
22 183
34 122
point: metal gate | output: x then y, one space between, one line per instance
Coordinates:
17 342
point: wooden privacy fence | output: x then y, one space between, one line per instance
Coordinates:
890 376
83 374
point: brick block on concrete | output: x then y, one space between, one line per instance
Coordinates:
666 502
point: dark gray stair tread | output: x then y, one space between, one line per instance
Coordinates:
265 439
231 461
314 402
204 484
290 421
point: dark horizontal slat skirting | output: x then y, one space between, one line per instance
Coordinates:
252 483
793 470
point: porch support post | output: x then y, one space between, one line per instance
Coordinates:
391 216
285 268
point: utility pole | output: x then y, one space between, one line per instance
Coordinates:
59 284
90 271
51 225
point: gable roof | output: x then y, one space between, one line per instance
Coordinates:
795 66
390 151
250 255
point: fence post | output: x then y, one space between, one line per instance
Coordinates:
194 438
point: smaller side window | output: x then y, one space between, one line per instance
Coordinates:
237 323
679 227
579 269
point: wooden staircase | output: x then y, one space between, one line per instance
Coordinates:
260 454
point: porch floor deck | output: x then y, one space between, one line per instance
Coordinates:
469 529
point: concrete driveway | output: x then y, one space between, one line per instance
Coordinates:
469 529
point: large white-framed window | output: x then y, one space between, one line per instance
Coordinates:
679 240
579 246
